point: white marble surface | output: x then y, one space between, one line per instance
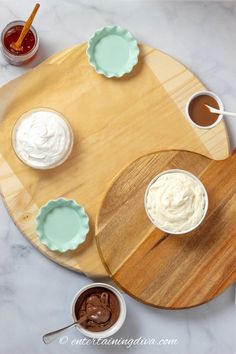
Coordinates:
35 294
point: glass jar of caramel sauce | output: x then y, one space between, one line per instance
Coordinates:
29 48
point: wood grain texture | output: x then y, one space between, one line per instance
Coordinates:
115 121
157 268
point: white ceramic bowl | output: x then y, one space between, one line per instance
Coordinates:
116 326
213 95
201 186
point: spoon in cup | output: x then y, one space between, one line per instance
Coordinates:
217 111
51 336
98 310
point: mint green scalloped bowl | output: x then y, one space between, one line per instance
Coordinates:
62 225
112 51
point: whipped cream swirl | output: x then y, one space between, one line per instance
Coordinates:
176 202
42 138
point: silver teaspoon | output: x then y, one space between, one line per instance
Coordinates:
51 336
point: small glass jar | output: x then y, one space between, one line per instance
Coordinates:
18 59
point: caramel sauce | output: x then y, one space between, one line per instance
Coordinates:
13 34
199 113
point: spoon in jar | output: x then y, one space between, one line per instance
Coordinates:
51 336
17 46
217 111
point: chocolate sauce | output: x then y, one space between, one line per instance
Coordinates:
100 305
199 113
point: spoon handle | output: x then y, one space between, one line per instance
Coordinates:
51 336
217 111
26 27
228 113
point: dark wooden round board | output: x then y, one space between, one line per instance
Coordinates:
159 269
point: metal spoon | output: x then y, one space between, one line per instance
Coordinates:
51 336
217 111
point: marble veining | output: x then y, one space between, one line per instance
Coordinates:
35 293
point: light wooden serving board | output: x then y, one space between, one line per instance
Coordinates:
115 121
161 269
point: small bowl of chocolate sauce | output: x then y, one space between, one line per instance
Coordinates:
30 44
103 307
198 114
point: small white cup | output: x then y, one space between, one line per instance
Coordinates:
201 186
211 94
116 326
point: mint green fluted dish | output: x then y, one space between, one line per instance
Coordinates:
62 225
112 51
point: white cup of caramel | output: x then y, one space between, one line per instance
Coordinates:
104 308
198 114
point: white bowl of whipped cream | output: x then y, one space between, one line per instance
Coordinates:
176 201
42 138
